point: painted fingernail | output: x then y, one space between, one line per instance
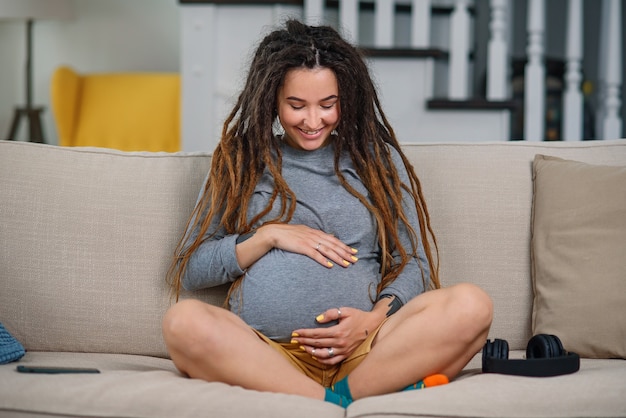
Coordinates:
329 264
302 348
354 258
354 250
295 334
294 341
319 318
345 262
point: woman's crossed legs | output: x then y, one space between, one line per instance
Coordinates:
436 332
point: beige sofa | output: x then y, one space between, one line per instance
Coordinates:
86 236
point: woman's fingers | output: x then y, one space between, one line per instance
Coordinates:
335 251
328 355
322 247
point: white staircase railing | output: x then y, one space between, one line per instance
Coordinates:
429 97
608 119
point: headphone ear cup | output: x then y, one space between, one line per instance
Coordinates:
501 349
497 349
545 346
487 350
557 346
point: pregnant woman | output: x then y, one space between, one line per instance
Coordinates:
314 216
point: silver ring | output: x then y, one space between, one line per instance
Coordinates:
331 353
338 313
319 244
313 352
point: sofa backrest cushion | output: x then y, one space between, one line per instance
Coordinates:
86 238
479 196
86 235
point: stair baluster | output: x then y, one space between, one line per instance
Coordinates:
459 52
497 74
349 19
314 12
573 99
534 76
609 120
420 24
384 25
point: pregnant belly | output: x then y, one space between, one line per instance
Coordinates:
285 291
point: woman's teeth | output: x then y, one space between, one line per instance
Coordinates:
310 132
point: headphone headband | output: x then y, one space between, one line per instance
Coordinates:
536 367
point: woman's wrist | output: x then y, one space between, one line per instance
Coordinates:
393 303
380 311
252 246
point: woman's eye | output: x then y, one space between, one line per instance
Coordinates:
324 106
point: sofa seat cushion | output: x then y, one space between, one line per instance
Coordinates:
136 386
596 390
141 386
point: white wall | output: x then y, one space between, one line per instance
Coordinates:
103 36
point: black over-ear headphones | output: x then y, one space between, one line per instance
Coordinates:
545 356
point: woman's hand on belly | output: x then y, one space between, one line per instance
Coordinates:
326 249
334 344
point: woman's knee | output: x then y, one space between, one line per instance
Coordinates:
186 321
178 315
473 306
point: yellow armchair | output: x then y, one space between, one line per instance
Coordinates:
125 111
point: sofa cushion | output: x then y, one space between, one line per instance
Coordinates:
132 386
596 390
139 386
479 196
87 236
578 252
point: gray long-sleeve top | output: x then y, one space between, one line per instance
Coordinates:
284 291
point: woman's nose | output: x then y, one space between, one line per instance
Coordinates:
312 118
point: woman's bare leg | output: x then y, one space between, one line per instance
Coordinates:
437 332
213 344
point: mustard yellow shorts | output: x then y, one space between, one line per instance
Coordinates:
326 375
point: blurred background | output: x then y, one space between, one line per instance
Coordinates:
104 36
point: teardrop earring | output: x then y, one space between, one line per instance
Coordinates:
277 128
